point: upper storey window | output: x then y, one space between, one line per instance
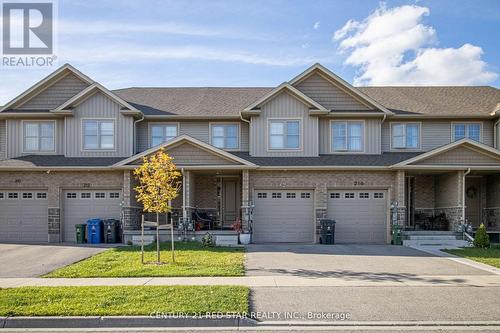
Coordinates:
39 136
405 135
347 136
161 133
284 134
467 130
225 136
98 134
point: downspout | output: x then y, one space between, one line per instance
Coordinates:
246 121
463 195
495 134
134 131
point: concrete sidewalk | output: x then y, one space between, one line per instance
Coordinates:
267 281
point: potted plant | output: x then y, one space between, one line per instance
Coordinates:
244 237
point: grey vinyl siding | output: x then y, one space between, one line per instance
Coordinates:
3 139
196 129
187 154
284 106
497 146
329 95
460 156
371 142
57 94
15 140
437 133
99 106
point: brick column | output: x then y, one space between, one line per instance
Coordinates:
399 196
131 213
245 199
320 205
54 215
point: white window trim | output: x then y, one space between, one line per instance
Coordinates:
238 125
38 152
419 147
301 135
330 136
154 123
115 130
453 123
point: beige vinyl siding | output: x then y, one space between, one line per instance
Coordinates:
56 94
3 140
460 156
329 95
99 106
371 132
187 154
284 106
437 133
15 138
196 129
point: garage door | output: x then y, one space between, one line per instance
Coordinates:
361 215
23 216
80 206
283 216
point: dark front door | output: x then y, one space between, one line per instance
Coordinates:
230 201
473 200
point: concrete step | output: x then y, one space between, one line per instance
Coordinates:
436 242
428 232
432 237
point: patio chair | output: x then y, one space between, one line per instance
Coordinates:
204 219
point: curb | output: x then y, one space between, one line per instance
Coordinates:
121 321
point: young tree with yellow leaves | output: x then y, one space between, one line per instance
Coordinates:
158 185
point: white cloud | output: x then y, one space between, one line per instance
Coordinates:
316 25
393 47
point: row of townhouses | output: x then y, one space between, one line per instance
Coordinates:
278 158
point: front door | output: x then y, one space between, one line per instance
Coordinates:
473 200
230 200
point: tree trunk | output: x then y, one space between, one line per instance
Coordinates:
158 238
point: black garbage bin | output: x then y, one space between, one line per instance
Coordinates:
111 231
80 233
327 231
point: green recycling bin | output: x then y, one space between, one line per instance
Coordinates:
80 233
111 231
397 234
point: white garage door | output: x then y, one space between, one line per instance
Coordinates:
82 205
361 215
283 216
23 216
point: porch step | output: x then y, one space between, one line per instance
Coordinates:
428 233
436 242
432 237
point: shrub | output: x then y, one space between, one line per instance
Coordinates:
208 240
482 239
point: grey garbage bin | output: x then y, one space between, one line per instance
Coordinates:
327 231
111 227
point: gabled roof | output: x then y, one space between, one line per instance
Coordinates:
46 82
89 91
488 154
337 80
183 139
290 89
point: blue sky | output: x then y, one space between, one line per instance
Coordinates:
263 43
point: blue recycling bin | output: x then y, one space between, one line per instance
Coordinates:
94 231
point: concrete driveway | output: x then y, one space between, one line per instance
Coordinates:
31 260
350 262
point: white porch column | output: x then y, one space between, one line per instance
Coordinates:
187 193
245 198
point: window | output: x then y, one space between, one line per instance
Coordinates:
85 195
100 195
162 133
41 195
262 195
349 195
27 195
225 136
378 195
405 136
114 195
13 195
284 134
335 195
98 134
347 136
364 195
39 136
467 130
276 195
305 195
2 195
290 195
70 195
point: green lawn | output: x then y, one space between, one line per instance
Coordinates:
191 259
113 301
489 256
